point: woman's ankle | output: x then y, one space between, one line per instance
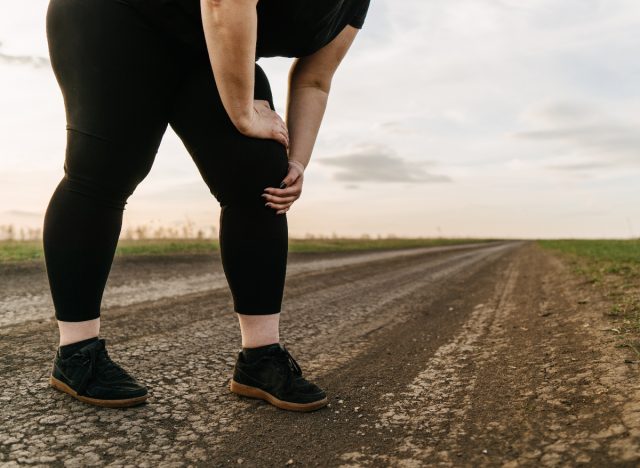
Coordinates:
259 330
74 332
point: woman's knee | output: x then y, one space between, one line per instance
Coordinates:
259 164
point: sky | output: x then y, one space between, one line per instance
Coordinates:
481 118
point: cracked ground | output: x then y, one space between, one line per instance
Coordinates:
476 355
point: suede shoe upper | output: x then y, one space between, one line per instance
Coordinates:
91 372
277 373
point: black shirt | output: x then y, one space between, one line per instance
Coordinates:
286 28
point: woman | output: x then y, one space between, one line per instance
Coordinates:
129 68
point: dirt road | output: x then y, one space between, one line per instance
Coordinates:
482 355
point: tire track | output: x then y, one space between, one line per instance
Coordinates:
569 397
427 417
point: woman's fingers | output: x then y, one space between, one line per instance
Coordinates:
266 123
278 134
285 133
293 176
285 192
273 198
279 122
282 126
288 195
282 199
284 129
278 206
279 130
280 137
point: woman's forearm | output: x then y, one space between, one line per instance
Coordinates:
230 29
305 109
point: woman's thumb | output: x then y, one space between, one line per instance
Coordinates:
296 170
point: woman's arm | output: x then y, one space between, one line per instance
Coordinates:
309 84
230 30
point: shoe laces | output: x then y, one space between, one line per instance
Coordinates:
285 357
97 359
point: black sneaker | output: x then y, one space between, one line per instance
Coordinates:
276 378
91 376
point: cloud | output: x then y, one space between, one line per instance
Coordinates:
380 164
578 166
614 142
586 135
397 127
33 60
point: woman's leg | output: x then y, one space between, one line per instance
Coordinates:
115 75
237 168
253 238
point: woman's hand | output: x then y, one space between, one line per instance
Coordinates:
290 189
265 123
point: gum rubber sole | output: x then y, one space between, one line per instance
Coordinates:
253 392
124 403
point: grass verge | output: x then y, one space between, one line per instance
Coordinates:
18 251
614 265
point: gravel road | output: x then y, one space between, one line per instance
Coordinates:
476 355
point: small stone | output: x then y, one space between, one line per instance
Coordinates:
583 458
52 419
290 461
240 461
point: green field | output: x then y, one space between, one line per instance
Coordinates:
600 260
615 266
17 251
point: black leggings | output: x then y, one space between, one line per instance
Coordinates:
123 81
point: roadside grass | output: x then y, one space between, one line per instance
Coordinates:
346 244
18 251
614 265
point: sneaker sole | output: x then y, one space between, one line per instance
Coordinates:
124 403
253 392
